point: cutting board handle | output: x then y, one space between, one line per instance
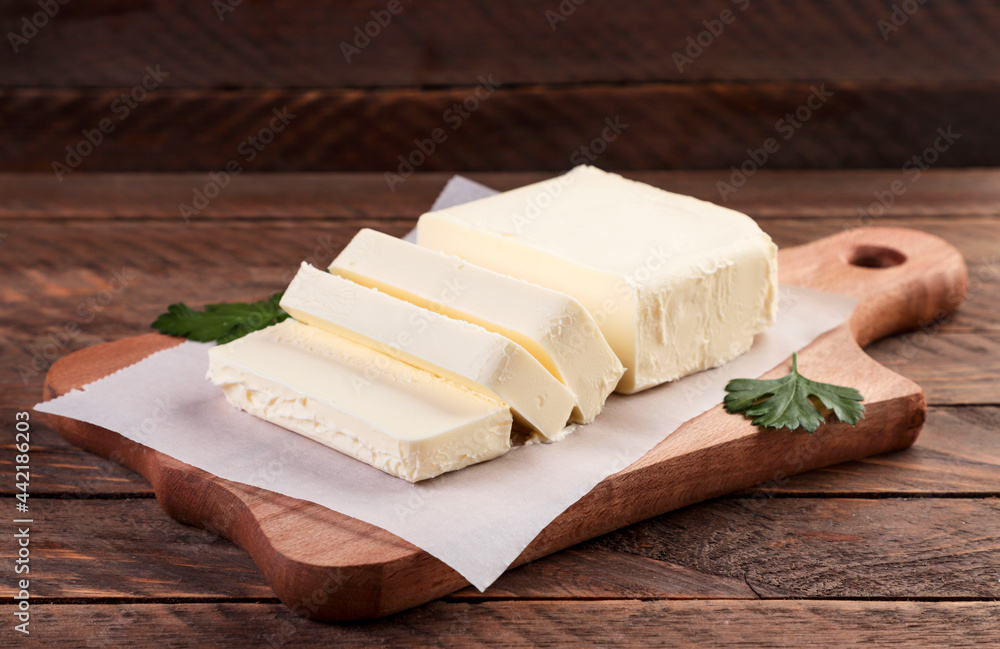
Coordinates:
902 278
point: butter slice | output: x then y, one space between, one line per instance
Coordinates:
468 354
552 326
676 284
398 418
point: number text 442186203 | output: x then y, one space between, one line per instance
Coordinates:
21 520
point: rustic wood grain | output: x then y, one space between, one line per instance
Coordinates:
249 195
131 550
958 369
801 547
896 409
297 43
669 126
712 625
957 453
825 548
770 194
600 574
778 548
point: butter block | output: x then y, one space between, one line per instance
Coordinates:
465 353
403 420
676 284
552 326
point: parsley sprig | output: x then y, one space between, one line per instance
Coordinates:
790 402
221 323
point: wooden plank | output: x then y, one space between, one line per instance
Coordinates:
64 252
19 396
953 455
888 548
831 547
711 625
770 194
669 126
956 453
297 43
958 369
130 549
600 574
249 195
54 261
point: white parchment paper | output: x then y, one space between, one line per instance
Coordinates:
477 520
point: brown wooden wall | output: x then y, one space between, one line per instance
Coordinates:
928 65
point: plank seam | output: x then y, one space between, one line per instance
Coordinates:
599 84
473 599
867 495
78 601
145 600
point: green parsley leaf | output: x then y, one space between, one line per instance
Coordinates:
790 402
221 323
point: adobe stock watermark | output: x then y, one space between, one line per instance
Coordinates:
453 117
533 208
248 150
787 127
327 248
407 334
912 169
697 44
564 10
281 633
225 7
364 34
613 127
797 459
120 108
45 353
421 493
698 384
30 26
898 17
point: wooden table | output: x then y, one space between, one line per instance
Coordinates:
897 549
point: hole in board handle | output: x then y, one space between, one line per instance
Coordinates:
875 257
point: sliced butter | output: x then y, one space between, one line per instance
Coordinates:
400 419
552 326
466 353
676 284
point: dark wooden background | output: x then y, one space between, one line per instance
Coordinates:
940 68
895 550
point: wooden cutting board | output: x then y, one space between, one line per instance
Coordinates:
329 566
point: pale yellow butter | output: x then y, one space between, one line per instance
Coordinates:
552 326
403 420
466 353
676 284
